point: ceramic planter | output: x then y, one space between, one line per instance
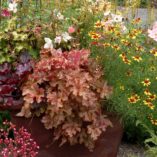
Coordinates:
106 146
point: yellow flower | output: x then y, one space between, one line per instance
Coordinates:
137 58
149 103
147 92
111 29
152 97
127 61
122 55
121 87
136 31
154 122
131 36
139 48
116 47
126 42
152 68
136 21
154 52
95 36
151 106
91 33
118 34
146 82
107 44
98 24
134 99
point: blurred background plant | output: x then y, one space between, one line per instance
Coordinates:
128 56
151 142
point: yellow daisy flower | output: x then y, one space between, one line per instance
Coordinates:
137 58
147 92
149 103
146 82
116 47
134 99
152 97
107 44
95 36
98 24
154 52
154 122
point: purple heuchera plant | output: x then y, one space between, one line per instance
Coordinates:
11 79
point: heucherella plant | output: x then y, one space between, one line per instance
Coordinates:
15 39
66 90
128 54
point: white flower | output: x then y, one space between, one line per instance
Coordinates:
58 39
48 43
124 29
107 13
13 7
117 18
66 36
60 16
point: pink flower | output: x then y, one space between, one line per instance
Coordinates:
5 13
155 25
71 29
152 33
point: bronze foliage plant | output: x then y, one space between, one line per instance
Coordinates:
66 90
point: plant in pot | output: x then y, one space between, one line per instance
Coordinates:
65 90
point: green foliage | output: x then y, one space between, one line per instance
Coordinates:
143 3
4 115
128 58
151 142
15 39
76 14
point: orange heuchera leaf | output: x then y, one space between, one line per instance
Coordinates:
70 86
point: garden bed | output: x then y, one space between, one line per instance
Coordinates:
67 63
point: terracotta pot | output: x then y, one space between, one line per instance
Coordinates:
106 146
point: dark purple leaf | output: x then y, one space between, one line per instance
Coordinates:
6 89
13 80
23 69
25 57
5 68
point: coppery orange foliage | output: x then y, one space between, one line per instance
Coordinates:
69 86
